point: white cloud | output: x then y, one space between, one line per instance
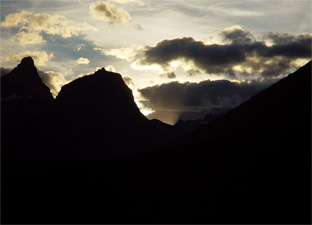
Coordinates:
30 38
110 14
128 54
140 65
134 2
53 80
82 60
110 68
40 57
35 23
232 29
80 47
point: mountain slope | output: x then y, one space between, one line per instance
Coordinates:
93 118
100 93
271 108
24 81
25 104
98 113
255 160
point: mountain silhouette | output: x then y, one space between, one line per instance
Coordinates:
93 118
252 164
50 146
24 81
90 156
98 111
25 102
104 94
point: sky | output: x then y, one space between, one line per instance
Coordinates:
182 59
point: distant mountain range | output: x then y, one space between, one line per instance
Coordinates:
90 156
191 125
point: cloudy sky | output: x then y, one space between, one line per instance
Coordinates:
182 59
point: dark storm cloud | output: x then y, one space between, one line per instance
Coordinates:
201 98
211 58
284 38
236 35
184 96
289 46
241 53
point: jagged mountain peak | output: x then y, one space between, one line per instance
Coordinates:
102 76
24 81
103 93
27 61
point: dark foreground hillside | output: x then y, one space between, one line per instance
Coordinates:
250 165
253 164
